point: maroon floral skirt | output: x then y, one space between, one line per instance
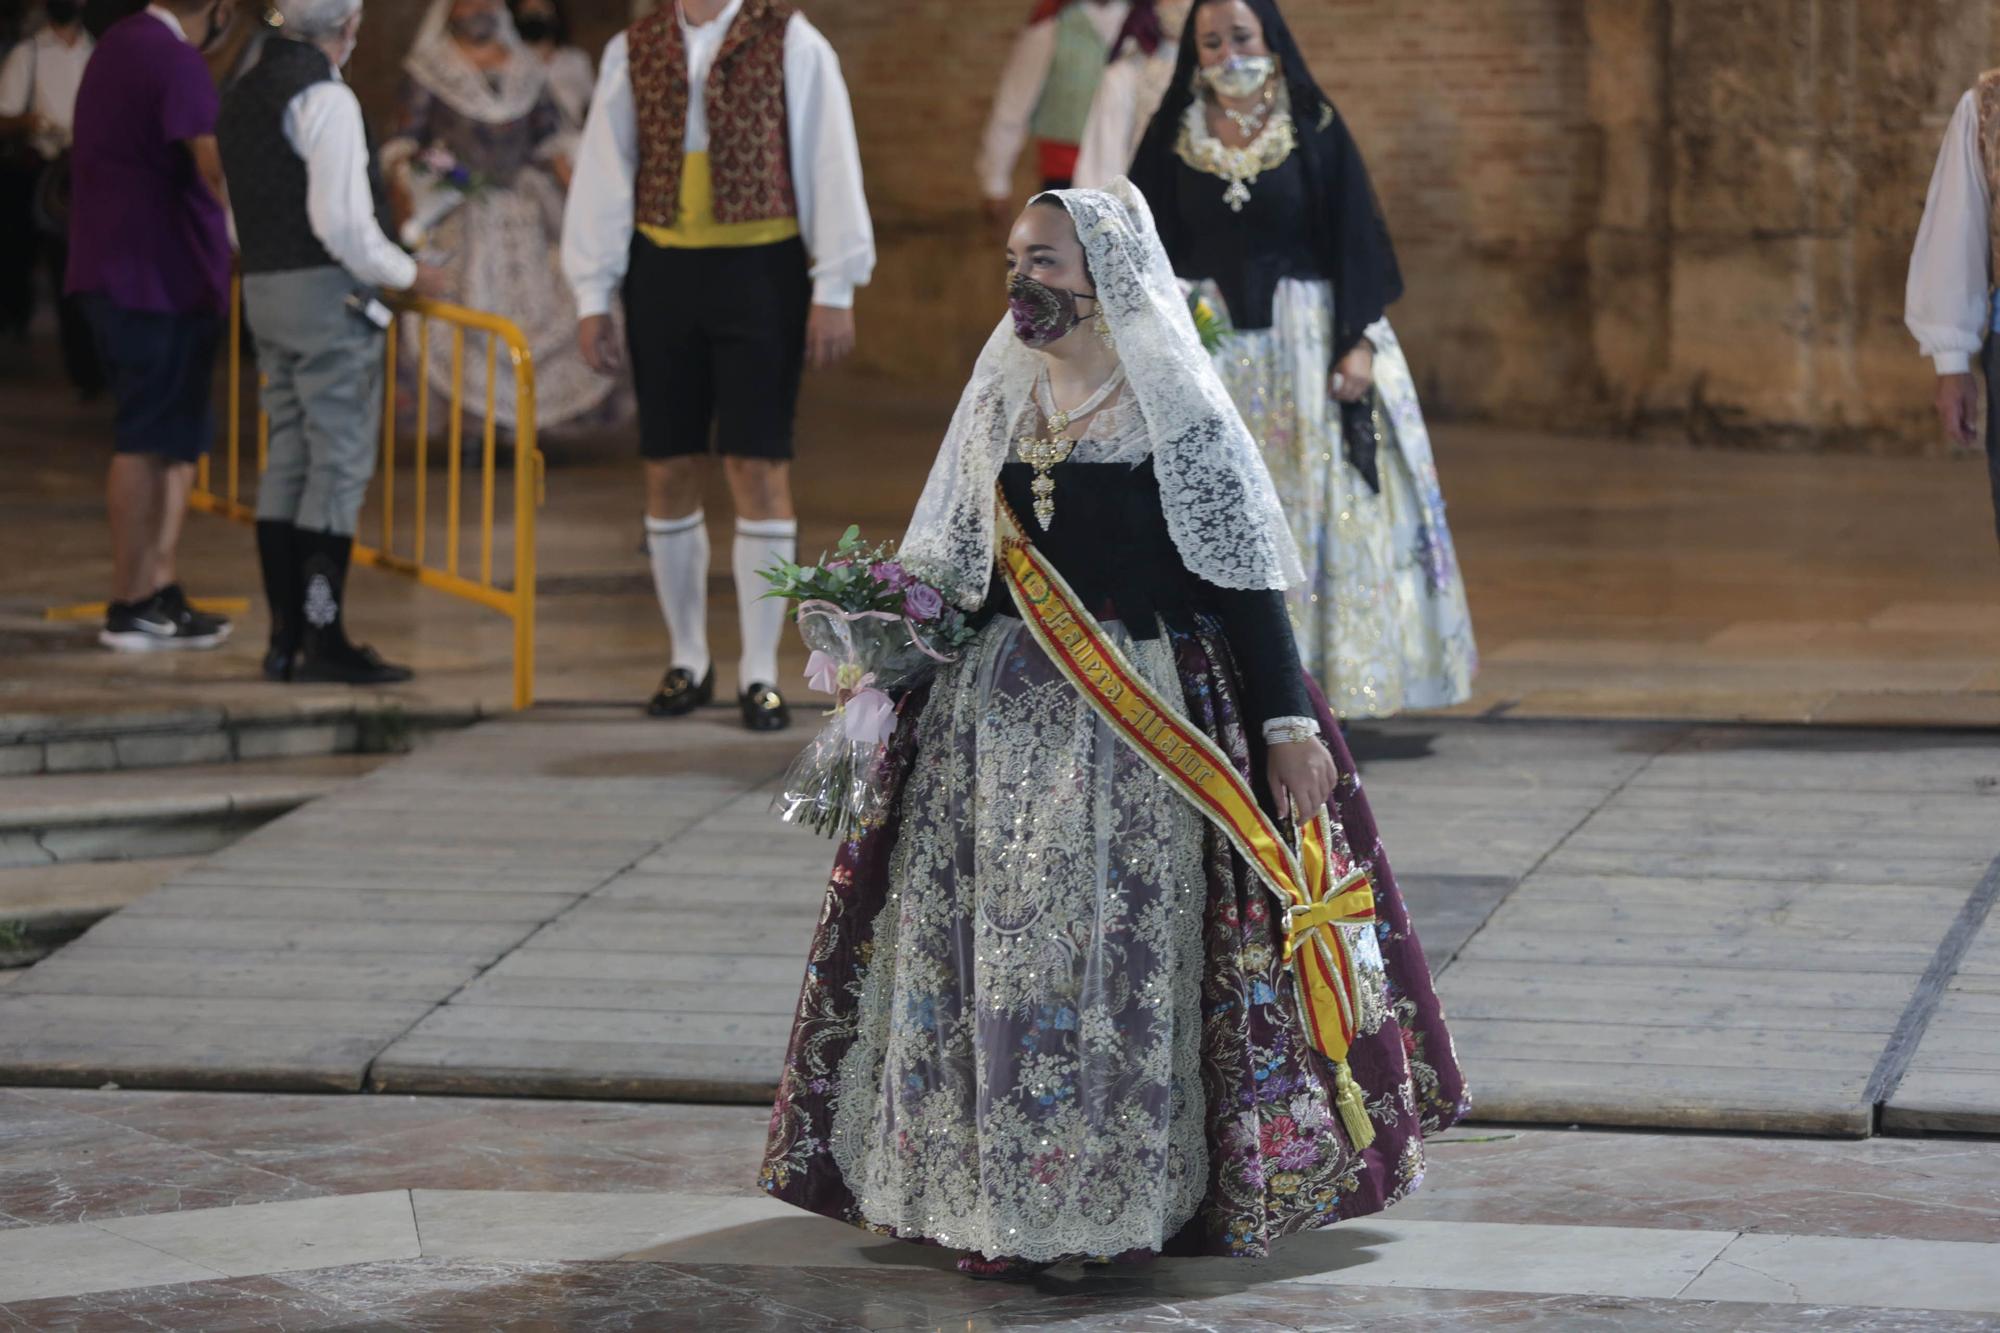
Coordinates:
1278 1160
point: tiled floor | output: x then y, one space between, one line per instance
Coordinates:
244 1212
1607 578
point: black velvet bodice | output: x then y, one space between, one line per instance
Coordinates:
1244 253
1109 541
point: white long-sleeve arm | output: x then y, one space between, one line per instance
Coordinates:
1106 150
323 126
1014 107
826 168
1946 305
597 220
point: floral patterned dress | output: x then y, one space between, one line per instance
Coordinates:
501 248
1045 1013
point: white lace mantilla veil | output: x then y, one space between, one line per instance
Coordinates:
1221 507
434 61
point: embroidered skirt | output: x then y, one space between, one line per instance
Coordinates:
1045 1015
1382 619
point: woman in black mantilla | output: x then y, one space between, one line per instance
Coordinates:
1264 203
1046 1014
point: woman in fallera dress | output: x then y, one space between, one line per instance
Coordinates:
1264 202
474 91
1046 1013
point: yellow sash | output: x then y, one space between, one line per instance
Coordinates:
695 227
1314 883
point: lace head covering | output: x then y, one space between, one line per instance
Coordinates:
1220 505
497 97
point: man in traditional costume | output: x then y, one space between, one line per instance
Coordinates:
719 181
310 213
1046 88
1950 305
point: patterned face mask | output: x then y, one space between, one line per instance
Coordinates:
1239 76
1042 314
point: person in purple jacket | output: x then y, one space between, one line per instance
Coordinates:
149 260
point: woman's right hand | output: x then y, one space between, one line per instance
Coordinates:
1302 777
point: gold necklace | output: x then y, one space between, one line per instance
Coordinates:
1043 452
1201 149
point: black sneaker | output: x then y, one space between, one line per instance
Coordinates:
196 623
681 693
764 708
151 626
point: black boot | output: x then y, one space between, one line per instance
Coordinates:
278 554
326 653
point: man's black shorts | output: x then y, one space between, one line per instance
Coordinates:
162 372
717 339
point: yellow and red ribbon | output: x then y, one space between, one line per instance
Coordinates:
1317 889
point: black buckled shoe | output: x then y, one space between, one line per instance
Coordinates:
764 708
681 693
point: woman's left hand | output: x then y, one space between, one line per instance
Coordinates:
1355 375
1301 773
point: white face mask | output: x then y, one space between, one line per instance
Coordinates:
1239 76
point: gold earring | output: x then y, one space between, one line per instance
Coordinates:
1102 326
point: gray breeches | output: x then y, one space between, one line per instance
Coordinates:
322 364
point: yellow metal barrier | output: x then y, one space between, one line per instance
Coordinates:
517 602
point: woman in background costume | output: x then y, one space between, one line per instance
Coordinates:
476 98
1265 204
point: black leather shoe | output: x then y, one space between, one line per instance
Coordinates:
348 664
278 662
680 693
764 708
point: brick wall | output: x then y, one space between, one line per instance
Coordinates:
1690 215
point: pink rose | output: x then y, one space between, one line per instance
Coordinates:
922 602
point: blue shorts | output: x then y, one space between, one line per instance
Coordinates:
161 366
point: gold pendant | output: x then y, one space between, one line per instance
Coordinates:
1042 454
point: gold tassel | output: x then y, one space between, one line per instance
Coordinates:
1353 1110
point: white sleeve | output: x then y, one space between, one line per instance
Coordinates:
826 168
323 125
597 220
1014 106
1946 304
1102 156
15 85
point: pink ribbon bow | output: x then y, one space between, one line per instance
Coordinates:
823 672
869 716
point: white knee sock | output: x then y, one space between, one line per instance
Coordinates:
758 543
679 549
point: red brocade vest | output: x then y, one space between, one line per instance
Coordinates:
748 140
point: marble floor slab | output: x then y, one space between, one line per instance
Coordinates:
541 1214
697 1233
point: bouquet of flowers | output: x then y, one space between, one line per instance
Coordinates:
872 628
439 183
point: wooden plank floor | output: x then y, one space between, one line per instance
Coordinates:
1633 924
